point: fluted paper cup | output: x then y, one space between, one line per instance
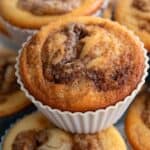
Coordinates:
86 122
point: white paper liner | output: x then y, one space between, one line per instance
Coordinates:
17 34
91 121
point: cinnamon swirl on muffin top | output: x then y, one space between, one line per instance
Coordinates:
81 64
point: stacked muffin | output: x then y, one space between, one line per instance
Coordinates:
81 72
40 134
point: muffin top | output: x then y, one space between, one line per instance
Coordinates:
135 14
40 134
32 14
81 64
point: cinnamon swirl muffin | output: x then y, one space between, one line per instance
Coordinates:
40 134
138 122
11 98
81 64
23 17
135 14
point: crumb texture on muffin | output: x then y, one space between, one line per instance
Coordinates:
81 64
137 124
40 134
135 14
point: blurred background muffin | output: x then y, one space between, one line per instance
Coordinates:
23 17
12 99
137 124
135 14
36 132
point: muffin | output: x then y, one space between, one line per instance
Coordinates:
12 99
137 124
82 67
135 14
40 134
67 66
23 17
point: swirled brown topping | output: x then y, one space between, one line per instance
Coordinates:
81 52
29 140
142 5
56 139
146 112
53 139
8 82
87 142
49 7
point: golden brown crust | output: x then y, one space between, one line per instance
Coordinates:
37 121
132 14
124 72
24 19
18 97
137 131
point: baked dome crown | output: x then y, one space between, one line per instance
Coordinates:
81 64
